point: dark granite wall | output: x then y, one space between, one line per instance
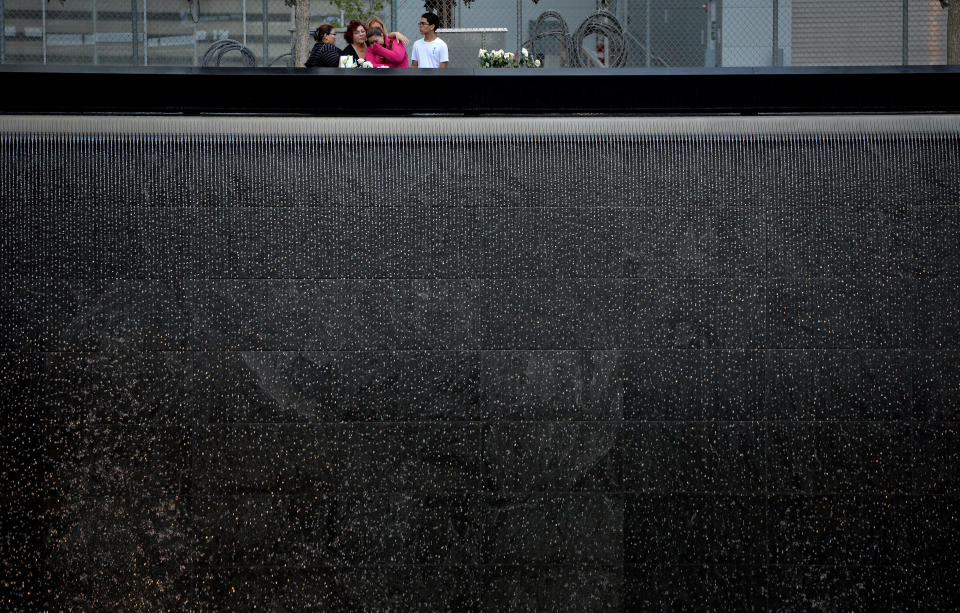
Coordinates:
520 373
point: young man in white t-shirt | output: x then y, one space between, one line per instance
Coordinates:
429 51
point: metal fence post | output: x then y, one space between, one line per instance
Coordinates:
144 32
648 33
710 53
393 15
906 33
43 28
93 16
775 51
293 37
519 23
133 31
625 21
266 30
3 37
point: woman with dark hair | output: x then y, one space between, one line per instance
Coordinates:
385 51
356 37
324 54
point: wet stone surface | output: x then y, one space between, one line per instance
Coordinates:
705 374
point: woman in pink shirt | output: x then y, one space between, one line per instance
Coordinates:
388 52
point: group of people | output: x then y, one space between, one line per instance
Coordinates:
370 42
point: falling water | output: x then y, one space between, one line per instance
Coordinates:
535 342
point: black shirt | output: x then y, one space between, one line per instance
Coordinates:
323 55
349 50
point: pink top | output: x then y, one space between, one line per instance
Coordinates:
394 57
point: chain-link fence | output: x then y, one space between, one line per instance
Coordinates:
654 33
149 32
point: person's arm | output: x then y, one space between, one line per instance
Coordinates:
374 56
444 55
392 56
398 36
413 56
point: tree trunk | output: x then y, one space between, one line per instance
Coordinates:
301 23
953 33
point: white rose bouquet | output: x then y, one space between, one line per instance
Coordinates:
506 59
348 61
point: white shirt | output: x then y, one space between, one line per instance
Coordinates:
429 55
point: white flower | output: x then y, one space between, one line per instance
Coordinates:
536 63
367 64
525 52
509 55
498 53
482 53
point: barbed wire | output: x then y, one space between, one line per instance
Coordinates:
543 29
217 50
605 24
551 25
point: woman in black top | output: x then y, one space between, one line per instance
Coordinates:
324 54
356 37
